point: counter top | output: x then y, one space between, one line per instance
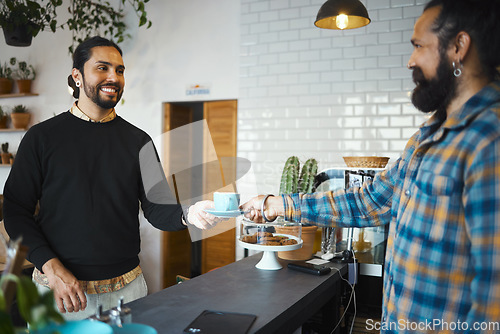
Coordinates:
281 299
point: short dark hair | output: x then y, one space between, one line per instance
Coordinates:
479 18
83 53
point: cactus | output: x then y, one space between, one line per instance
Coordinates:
307 175
5 147
292 181
290 176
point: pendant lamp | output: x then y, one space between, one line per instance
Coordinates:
342 14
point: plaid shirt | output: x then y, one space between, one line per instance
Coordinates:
442 201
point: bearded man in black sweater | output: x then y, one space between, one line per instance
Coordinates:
82 168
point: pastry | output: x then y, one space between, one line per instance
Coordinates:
251 239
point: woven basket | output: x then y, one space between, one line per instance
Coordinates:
366 162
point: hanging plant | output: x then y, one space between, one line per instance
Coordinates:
21 20
87 18
96 17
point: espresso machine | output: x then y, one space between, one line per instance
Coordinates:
367 244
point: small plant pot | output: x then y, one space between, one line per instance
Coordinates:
5 86
308 235
24 86
3 122
18 36
20 120
6 157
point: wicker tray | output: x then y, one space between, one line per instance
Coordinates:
366 162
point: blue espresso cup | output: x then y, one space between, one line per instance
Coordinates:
226 201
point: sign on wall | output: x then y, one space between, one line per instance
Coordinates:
196 90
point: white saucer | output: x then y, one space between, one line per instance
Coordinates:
225 214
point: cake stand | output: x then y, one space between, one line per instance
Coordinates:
269 260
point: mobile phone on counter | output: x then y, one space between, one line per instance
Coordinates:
309 268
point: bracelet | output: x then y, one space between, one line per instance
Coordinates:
262 210
185 216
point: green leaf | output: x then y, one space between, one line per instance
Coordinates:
142 21
3 307
6 326
27 296
53 25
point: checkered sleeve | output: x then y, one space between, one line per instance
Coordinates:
369 205
482 218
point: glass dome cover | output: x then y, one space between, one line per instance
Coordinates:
269 238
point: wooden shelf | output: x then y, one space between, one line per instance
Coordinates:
13 130
5 165
4 96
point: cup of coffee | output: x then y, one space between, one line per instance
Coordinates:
225 201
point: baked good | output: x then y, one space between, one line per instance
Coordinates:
263 234
251 239
268 239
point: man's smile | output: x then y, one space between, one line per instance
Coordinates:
109 89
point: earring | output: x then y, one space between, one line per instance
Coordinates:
78 84
456 70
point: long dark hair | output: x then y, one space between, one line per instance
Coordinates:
479 18
83 53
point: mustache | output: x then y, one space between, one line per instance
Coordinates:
418 76
118 88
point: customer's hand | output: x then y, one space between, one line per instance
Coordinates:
201 219
272 208
68 293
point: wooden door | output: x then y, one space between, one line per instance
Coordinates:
219 249
221 117
176 246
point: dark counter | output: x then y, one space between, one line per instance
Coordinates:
281 299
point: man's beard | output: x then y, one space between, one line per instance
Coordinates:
434 94
93 93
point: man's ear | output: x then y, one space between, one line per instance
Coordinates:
461 46
77 76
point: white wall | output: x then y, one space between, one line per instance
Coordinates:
190 42
321 93
301 90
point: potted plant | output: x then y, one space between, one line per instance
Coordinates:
24 75
38 310
5 79
21 20
20 117
3 118
6 156
294 182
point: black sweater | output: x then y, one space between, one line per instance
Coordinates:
87 179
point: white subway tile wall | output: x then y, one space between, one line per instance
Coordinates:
321 93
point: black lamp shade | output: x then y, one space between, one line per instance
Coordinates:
354 9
